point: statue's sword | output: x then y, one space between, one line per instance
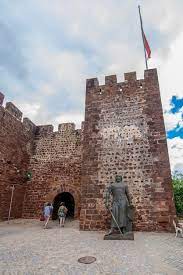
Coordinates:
115 221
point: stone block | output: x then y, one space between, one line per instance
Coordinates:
66 128
29 125
12 109
1 98
110 80
117 236
44 129
130 76
92 83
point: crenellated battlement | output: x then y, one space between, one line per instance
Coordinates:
11 110
44 129
63 129
129 78
110 80
40 130
1 98
29 125
66 127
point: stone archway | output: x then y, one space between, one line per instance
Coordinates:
75 192
69 202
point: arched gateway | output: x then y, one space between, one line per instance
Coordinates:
69 201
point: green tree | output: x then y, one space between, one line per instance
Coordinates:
178 192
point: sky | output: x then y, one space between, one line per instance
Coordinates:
49 48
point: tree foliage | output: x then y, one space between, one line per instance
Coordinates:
178 192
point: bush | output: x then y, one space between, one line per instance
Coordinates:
178 192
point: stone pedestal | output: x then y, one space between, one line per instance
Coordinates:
117 236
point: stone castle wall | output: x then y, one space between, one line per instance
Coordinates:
55 166
124 134
16 140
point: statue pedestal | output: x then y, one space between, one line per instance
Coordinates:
117 236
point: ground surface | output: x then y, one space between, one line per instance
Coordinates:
26 248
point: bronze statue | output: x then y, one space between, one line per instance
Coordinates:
121 209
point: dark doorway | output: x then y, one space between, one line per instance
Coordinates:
68 199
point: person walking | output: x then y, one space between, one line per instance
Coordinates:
51 208
47 213
62 211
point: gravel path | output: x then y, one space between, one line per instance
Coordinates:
27 248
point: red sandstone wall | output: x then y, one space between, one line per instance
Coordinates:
55 166
15 148
124 134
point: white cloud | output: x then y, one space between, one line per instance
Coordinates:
29 110
64 73
172 120
178 168
65 42
170 71
46 89
175 148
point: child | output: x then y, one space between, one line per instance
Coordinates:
62 211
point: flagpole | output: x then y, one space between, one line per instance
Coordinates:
141 25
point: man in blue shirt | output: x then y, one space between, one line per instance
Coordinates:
47 213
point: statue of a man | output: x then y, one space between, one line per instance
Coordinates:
121 207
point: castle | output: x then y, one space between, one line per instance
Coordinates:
123 133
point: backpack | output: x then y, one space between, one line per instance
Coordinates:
61 211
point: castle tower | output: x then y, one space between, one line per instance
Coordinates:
124 134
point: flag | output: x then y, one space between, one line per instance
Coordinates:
147 50
146 45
